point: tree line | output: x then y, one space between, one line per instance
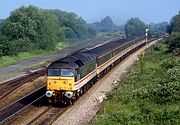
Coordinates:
173 41
105 25
31 28
136 27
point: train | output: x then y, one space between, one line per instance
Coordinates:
73 75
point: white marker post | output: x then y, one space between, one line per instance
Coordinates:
146 36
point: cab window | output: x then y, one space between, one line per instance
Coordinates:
54 72
67 72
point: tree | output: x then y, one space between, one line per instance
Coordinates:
1 46
134 27
1 20
173 42
106 24
30 28
174 24
96 26
158 29
73 26
1 24
91 31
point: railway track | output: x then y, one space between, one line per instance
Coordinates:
48 116
7 87
38 96
10 111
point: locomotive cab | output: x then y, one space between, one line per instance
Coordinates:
60 80
67 76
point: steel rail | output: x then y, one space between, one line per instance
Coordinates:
7 87
20 105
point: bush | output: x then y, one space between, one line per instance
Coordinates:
29 29
173 42
148 98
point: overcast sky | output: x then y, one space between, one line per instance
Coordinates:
94 10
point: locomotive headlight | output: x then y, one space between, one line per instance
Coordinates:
49 94
69 94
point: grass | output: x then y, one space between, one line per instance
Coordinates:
38 64
109 35
8 60
62 45
148 95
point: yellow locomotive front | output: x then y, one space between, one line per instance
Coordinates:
67 77
60 84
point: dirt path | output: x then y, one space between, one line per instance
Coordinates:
20 68
85 109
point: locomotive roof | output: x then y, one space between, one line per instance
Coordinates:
73 61
101 50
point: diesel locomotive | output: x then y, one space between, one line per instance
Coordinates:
71 76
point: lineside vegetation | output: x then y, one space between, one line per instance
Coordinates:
32 31
149 94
